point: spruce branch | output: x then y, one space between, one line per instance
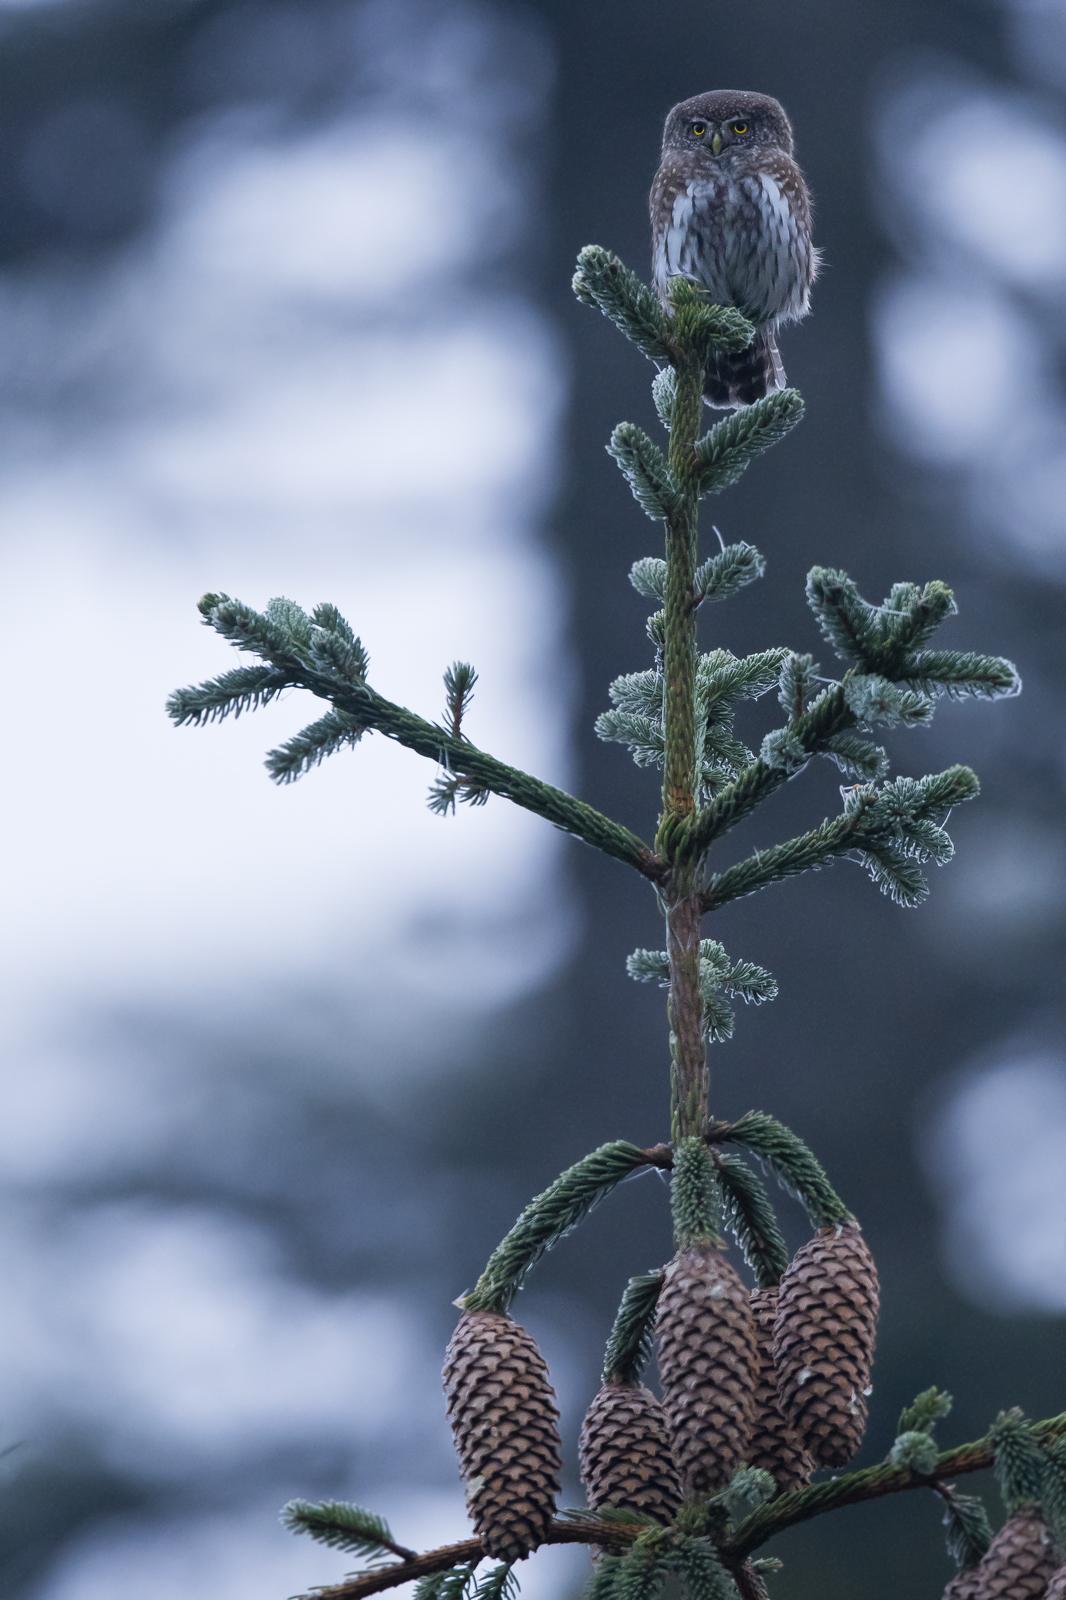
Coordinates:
747 1490
699 1566
695 1197
871 1483
724 453
885 639
915 1449
642 1571
644 468
806 852
648 577
309 748
1019 1460
629 1344
967 1530
892 830
826 718
925 1411
846 620
732 569
361 707
749 1215
961 673
699 327
663 394
792 1163
499 1583
459 681
857 758
1053 1503
719 979
240 689
451 1584
446 792
605 282
344 1527
547 1218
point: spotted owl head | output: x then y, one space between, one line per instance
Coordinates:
721 130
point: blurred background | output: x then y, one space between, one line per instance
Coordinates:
285 308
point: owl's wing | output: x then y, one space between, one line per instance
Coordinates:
689 233
772 263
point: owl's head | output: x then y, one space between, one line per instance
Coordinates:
716 127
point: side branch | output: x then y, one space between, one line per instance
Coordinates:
573 816
816 848
812 732
320 653
870 1483
616 1535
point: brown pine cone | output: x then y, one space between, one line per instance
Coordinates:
1056 1589
775 1446
625 1453
1020 1561
824 1336
505 1424
705 1339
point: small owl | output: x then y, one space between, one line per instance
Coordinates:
730 210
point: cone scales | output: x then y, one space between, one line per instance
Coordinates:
505 1425
1056 1589
625 1453
775 1445
705 1339
824 1335
1019 1562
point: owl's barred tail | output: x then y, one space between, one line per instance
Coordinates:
736 378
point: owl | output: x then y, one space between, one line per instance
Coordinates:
730 210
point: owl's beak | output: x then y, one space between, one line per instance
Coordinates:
716 142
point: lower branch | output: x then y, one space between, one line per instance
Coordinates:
870 1483
459 756
833 838
607 1535
340 679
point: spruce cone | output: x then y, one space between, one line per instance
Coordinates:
705 1337
774 1446
824 1341
1019 1562
625 1453
1056 1589
501 1406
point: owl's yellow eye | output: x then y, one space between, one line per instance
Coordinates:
739 128
698 129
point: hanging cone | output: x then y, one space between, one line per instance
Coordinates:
1056 1589
824 1335
1019 1562
775 1446
705 1339
504 1419
625 1453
